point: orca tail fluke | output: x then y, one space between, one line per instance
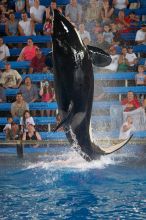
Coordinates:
99 151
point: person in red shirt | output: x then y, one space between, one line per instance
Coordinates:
130 103
123 23
38 64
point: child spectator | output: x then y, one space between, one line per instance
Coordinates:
127 128
4 50
8 125
131 59
14 132
130 103
140 77
26 120
47 28
10 78
108 35
47 95
19 106
140 37
31 134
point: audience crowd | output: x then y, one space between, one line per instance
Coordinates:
100 23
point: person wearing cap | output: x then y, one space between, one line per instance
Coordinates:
131 59
31 134
4 50
38 63
10 78
141 35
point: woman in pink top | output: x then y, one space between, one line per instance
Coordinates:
47 95
28 52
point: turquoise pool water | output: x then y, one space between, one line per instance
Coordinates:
60 185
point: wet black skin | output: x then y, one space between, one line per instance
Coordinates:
74 83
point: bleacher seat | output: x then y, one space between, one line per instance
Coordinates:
16 64
37 120
38 77
124 90
23 39
59 2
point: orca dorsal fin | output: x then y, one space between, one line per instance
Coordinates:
99 57
67 118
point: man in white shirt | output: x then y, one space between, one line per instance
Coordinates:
37 12
113 66
4 51
10 78
26 26
131 59
141 35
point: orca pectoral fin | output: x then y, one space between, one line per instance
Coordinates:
112 149
66 119
99 57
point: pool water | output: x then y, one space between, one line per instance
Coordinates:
60 185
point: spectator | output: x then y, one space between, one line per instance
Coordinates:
8 125
92 13
120 4
47 94
38 63
49 10
123 22
29 4
10 78
83 33
19 106
113 66
26 120
140 77
29 91
74 11
130 103
47 28
3 14
31 134
127 128
101 43
19 5
37 12
106 12
108 35
14 132
86 41
2 94
26 26
122 62
141 35
131 59
11 27
4 50
28 52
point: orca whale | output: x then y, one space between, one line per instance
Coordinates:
74 85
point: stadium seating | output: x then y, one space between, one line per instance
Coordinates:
23 39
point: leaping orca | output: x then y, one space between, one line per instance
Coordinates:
74 85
